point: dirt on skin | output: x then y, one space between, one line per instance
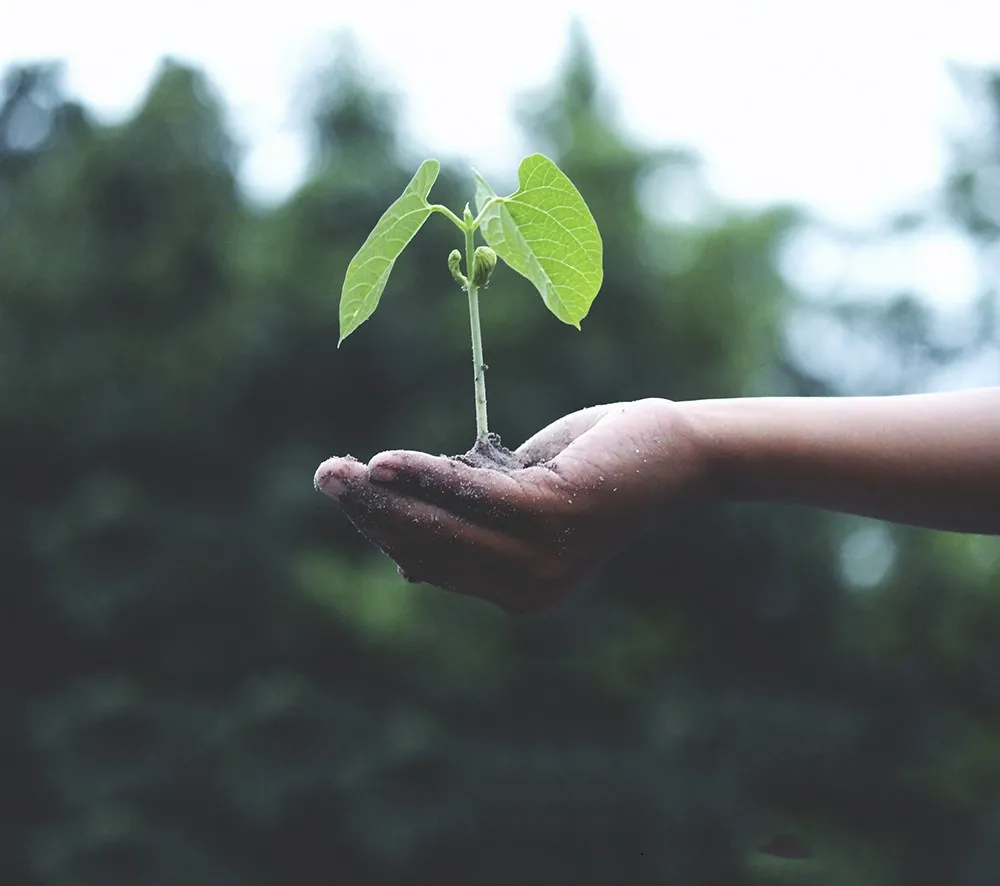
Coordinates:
490 454
493 455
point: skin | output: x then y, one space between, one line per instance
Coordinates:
598 477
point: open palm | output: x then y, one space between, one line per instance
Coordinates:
522 539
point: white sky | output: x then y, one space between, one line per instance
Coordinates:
844 106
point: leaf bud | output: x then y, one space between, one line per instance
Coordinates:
483 263
454 265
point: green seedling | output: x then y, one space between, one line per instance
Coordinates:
544 231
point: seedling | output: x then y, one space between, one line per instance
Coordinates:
544 231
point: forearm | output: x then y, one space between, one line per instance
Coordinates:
930 459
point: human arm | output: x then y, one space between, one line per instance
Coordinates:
925 459
597 477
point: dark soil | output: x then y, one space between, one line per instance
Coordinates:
492 454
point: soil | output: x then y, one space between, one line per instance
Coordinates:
492 454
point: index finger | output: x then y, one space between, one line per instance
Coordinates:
510 501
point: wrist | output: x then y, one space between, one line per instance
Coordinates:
689 463
721 448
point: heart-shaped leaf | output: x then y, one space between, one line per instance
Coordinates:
546 233
369 270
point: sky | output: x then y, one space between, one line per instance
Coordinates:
845 107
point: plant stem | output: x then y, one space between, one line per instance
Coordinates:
445 211
479 368
477 221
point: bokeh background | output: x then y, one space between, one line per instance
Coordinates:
208 678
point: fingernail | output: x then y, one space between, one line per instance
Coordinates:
383 474
326 482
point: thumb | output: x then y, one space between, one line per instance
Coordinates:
547 443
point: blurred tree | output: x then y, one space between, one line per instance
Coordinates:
210 678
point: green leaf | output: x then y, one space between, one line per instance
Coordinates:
369 270
546 233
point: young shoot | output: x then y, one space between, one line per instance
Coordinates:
544 231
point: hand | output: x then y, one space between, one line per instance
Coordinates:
522 539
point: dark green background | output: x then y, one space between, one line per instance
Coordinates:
209 678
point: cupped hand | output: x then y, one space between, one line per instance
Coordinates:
522 539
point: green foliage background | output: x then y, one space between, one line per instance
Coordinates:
208 677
